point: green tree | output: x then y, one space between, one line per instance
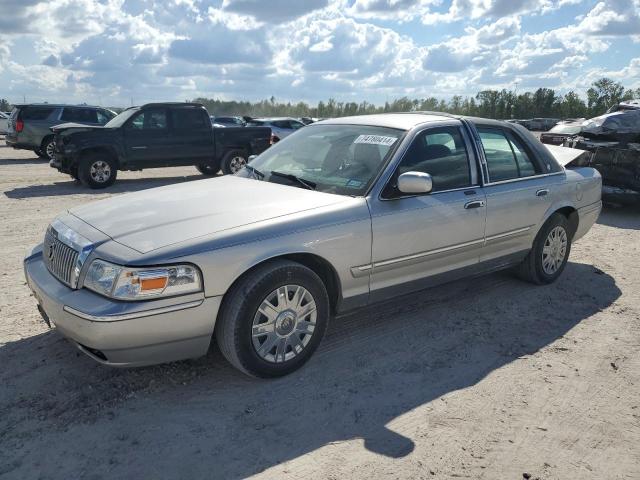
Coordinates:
5 106
602 95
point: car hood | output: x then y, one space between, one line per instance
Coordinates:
159 217
74 126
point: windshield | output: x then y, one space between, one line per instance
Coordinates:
340 159
568 129
121 118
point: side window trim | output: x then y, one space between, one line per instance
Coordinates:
472 164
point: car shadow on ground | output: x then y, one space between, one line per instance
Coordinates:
620 216
24 161
201 418
71 187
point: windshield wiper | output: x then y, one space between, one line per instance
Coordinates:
289 176
256 173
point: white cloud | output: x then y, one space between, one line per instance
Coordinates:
294 49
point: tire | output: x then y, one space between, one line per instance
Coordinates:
40 153
295 336
48 147
550 252
97 170
233 161
209 169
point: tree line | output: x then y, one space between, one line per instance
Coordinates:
499 104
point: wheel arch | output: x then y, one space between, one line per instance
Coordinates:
319 265
101 149
568 210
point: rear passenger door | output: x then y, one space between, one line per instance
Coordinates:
191 134
518 192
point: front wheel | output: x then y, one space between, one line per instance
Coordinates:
548 257
98 171
273 319
234 161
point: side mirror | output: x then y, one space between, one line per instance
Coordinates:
415 182
251 157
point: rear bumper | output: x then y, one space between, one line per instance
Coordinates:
124 334
587 217
12 141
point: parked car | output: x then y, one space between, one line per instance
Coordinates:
154 135
4 123
558 134
339 215
30 124
542 124
229 121
281 127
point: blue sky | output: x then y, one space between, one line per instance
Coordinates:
111 52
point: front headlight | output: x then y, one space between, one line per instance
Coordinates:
124 283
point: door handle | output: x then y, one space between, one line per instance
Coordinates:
542 193
143 147
474 204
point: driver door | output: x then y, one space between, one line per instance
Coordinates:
147 139
418 239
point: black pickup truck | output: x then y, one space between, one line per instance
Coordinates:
154 135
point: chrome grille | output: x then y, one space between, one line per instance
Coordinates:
59 258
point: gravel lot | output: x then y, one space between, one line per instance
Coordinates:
487 378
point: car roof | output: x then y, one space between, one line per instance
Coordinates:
402 121
54 105
274 119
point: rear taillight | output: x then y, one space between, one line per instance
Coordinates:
273 139
19 126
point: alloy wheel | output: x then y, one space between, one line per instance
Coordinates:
100 171
554 250
284 323
237 163
50 149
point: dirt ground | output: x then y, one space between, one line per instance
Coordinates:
488 378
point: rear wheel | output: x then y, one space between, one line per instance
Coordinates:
41 153
208 168
233 161
48 147
97 171
548 257
273 319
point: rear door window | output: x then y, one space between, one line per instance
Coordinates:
188 120
507 158
79 115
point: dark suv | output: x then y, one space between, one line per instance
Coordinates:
30 124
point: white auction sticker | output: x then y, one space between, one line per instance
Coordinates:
376 140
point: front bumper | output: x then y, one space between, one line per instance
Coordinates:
124 334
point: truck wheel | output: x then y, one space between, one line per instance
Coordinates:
233 161
209 169
550 253
273 319
48 147
98 170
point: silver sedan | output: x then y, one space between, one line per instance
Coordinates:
339 215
